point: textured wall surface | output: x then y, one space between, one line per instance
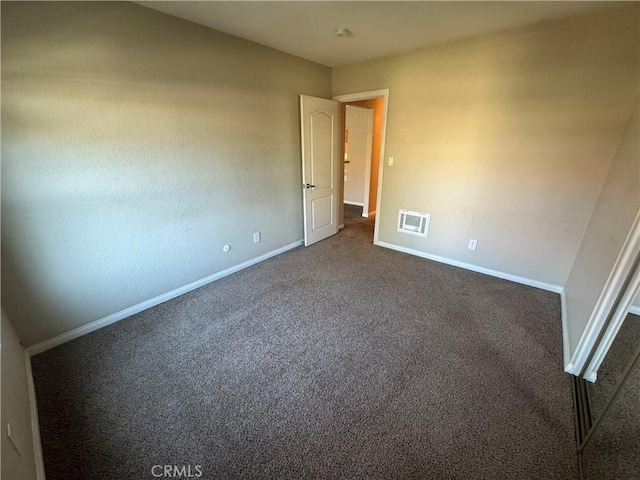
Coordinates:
506 138
610 223
134 146
15 408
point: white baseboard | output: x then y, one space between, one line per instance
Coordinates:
127 312
369 214
355 204
35 423
475 268
634 309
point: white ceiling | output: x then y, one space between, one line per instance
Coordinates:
307 28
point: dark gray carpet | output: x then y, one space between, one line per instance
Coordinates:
338 361
618 357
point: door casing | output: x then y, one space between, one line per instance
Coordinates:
369 95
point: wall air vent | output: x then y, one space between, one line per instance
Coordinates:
413 222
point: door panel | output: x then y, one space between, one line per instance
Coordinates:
322 212
319 119
321 149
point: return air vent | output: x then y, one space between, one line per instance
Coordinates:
414 223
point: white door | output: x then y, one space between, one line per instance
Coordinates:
320 121
357 162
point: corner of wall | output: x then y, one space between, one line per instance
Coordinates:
35 423
566 347
22 456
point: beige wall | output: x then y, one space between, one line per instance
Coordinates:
506 138
15 408
134 146
617 207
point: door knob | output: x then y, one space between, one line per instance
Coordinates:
308 185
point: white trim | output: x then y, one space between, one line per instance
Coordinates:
354 97
570 367
370 214
610 293
635 309
566 351
355 204
475 268
35 422
127 312
591 377
617 319
367 164
341 226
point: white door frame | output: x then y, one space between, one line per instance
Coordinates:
370 95
611 309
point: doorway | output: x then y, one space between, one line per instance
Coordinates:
355 225
377 101
358 148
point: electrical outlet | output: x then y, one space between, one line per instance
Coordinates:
390 161
256 237
473 244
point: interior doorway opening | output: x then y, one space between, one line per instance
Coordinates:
368 176
359 176
356 224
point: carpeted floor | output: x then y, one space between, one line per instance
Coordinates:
618 357
338 361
